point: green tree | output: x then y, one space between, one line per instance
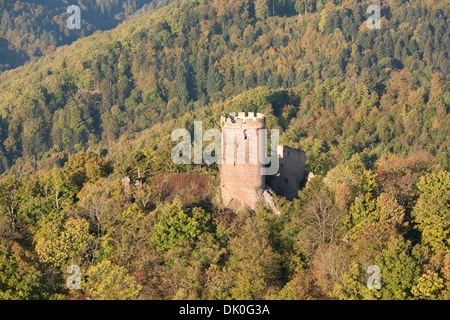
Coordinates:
83 167
432 211
9 199
318 157
60 243
253 263
107 281
261 9
94 201
400 266
176 222
428 286
399 270
20 276
352 286
56 189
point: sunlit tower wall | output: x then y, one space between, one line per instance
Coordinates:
241 183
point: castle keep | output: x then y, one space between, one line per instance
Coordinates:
241 178
241 183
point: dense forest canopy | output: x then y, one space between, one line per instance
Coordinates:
369 107
31 29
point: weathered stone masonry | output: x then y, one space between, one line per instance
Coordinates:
290 174
241 183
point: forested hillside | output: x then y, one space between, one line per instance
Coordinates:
31 29
369 108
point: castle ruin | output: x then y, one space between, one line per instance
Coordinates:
242 183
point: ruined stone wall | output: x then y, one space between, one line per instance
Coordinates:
292 167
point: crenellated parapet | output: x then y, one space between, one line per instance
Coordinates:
249 120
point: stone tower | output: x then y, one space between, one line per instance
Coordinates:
240 171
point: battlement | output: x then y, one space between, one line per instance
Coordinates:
249 119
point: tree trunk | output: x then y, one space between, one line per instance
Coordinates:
12 220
